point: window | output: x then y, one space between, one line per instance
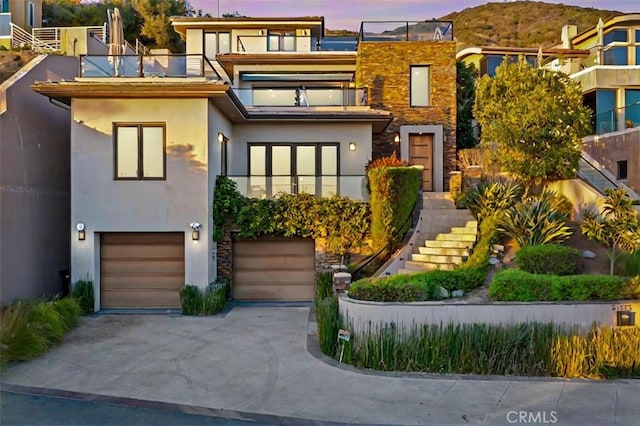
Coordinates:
632 108
622 170
293 168
284 41
4 6
615 36
139 151
216 44
616 55
31 15
420 85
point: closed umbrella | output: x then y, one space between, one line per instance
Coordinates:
116 41
600 46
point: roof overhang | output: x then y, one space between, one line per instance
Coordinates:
552 52
181 24
621 20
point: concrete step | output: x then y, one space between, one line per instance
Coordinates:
409 271
456 237
448 244
423 266
436 258
444 251
463 230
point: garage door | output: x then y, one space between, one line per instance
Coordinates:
141 270
272 268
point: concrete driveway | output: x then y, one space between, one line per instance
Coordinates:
254 362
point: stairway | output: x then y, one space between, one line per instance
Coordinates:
595 177
446 233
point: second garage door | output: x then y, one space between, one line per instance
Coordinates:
274 268
141 269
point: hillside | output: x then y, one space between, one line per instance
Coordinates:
520 23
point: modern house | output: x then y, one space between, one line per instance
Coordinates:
270 102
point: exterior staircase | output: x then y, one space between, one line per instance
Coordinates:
447 234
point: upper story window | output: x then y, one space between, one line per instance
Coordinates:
620 49
4 6
216 44
282 41
140 152
31 17
637 47
419 86
615 36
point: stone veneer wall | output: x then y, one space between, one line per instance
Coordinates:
614 147
384 68
224 257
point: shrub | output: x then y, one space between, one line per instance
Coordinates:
552 259
190 299
328 320
536 220
487 237
82 291
389 161
525 349
516 285
490 196
324 285
631 263
194 302
69 311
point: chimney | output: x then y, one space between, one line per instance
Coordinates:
568 33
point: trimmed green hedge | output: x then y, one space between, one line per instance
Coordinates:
393 194
517 285
551 259
416 287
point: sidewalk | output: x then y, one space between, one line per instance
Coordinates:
254 361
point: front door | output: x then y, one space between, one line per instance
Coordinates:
421 154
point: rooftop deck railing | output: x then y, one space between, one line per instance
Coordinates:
294 43
302 96
405 31
147 66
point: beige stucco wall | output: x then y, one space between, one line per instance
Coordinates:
34 183
106 205
362 316
582 195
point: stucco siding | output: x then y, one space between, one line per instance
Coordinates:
107 205
34 183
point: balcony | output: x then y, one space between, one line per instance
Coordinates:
302 97
294 44
406 31
147 66
353 187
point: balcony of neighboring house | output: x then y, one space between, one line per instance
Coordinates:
147 66
607 118
393 31
302 96
262 186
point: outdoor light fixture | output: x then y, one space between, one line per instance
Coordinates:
195 233
626 318
222 137
81 231
396 138
352 146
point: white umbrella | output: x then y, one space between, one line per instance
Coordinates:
600 46
116 40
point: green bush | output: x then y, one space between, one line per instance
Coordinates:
28 329
210 302
525 349
328 320
487 237
394 191
536 220
631 263
490 196
551 259
324 285
517 285
82 291
416 287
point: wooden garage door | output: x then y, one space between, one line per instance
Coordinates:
421 153
272 268
141 270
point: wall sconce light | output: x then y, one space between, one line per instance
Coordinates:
195 233
81 231
222 137
260 32
352 146
626 318
396 138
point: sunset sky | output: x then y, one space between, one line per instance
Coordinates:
347 14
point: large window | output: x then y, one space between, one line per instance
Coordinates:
139 151
419 85
632 107
293 168
216 44
31 15
616 50
284 41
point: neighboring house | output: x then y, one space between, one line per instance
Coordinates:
269 102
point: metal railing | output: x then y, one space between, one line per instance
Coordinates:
609 121
264 187
302 96
405 30
147 66
262 44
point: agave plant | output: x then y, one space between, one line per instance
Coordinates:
536 220
491 196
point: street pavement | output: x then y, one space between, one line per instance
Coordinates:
261 364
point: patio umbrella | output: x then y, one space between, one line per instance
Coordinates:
600 45
116 41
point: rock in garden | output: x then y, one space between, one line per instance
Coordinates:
589 254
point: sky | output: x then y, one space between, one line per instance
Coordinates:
347 14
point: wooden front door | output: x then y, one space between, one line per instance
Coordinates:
421 154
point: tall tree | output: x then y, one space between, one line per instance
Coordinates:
466 95
535 119
156 26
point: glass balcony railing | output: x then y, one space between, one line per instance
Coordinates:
293 43
5 27
147 66
617 119
353 187
302 97
405 30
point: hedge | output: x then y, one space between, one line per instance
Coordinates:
517 285
552 259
